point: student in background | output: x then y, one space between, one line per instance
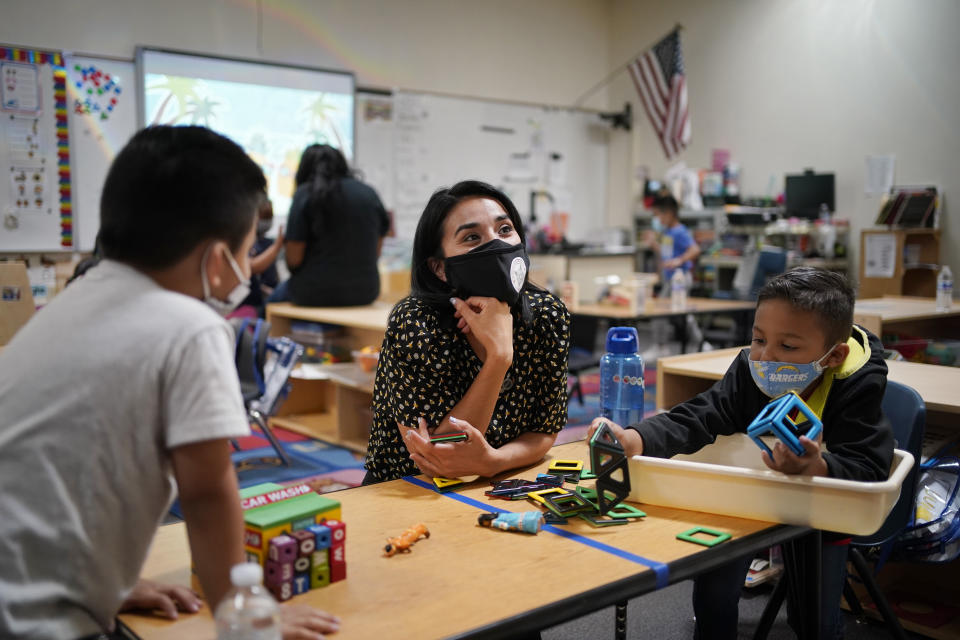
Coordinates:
334 234
804 318
124 385
678 249
475 348
263 259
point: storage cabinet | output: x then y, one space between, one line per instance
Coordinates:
899 262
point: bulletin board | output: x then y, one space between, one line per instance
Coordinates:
36 206
409 144
101 98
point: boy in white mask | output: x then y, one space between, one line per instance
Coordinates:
124 384
804 340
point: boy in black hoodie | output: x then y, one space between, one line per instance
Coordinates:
804 340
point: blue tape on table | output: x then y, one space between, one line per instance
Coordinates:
661 570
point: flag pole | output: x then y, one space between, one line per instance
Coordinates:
610 76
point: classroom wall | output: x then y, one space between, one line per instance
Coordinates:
791 84
784 85
542 51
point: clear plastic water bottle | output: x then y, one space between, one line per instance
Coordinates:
248 612
621 377
678 290
944 289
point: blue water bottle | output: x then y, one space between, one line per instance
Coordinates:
621 377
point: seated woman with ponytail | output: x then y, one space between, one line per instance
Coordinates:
475 348
334 234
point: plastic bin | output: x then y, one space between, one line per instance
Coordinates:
366 359
322 343
728 477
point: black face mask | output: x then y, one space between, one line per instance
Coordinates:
494 270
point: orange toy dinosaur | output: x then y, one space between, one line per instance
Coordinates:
405 540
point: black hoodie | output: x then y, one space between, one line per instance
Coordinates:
855 431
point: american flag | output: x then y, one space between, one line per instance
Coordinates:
658 75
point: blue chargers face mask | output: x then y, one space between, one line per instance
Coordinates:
656 224
777 378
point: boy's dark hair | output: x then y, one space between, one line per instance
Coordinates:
826 293
666 202
172 188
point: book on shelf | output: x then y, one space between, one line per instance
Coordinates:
910 207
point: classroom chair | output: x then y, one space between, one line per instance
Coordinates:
752 274
583 350
263 384
907 414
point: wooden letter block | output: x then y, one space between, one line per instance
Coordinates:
301 565
320 573
321 534
301 583
338 563
320 558
306 542
276 573
338 531
283 591
283 549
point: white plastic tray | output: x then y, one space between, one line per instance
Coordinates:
728 477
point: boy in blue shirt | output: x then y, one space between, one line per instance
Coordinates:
804 319
123 389
677 246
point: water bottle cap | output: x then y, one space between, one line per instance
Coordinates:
246 574
622 340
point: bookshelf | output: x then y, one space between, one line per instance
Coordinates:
911 262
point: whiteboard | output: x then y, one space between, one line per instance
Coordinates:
103 117
35 213
413 143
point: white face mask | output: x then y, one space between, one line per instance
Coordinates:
236 295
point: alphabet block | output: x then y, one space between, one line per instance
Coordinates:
321 534
282 549
306 542
338 563
301 583
338 531
277 573
283 591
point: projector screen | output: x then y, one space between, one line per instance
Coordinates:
272 111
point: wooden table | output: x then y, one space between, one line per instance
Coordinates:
908 315
679 378
469 581
662 308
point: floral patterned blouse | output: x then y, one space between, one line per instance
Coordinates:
426 366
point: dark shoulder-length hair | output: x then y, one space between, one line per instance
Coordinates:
321 169
428 240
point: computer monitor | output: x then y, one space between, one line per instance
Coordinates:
805 193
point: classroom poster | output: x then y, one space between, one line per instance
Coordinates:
35 193
103 117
